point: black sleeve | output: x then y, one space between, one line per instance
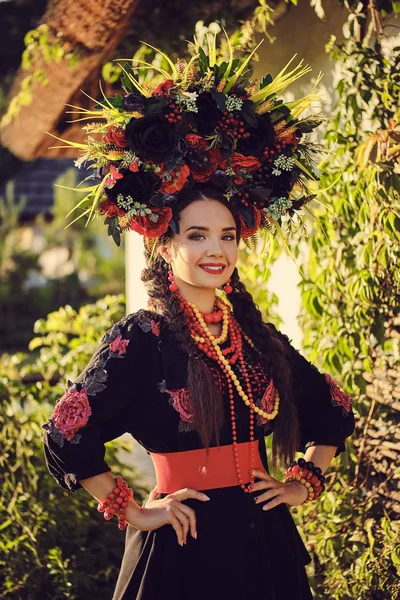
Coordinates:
324 410
94 409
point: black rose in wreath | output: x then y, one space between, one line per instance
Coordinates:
151 137
133 102
283 183
260 137
208 114
141 185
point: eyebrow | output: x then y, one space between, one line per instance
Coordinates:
207 229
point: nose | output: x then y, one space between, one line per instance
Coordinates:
215 248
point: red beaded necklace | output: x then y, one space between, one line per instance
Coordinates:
209 344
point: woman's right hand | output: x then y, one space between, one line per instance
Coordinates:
170 510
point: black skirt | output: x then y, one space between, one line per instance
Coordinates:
241 552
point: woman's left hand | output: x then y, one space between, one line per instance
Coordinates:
293 492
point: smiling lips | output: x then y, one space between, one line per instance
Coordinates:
214 268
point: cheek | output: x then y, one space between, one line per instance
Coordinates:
187 257
233 254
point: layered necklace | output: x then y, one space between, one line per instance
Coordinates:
210 345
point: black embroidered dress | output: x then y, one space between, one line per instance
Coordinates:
136 382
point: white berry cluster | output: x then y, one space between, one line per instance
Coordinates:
278 208
187 101
129 157
233 103
134 208
286 163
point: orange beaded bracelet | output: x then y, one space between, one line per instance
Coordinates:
116 502
307 474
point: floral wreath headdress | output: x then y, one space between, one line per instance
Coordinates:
202 122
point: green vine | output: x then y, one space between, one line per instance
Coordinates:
351 301
39 43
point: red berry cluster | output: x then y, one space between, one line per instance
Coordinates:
117 500
233 124
270 152
244 198
174 116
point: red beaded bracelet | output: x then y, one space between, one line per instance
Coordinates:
117 500
307 474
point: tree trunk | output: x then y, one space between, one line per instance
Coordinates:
94 28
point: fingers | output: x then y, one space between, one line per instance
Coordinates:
153 493
265 483
190 513
260 474
183 520
176 524
185 493
274 495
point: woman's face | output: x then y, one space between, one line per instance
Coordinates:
207 235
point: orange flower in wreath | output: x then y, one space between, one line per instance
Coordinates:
179 176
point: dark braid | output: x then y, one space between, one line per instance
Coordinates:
276 360
205 397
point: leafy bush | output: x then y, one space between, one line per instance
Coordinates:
53 544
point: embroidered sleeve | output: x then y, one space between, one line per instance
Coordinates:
94 408
324 410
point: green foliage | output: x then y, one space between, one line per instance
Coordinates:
355 548
50 540
353 269
351 299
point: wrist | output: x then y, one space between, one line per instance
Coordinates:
133 513
300 486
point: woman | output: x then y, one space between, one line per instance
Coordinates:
194 163
230 534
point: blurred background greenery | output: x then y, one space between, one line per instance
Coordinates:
60 289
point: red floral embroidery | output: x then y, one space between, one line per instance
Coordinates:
267 401
338 396
119 345
182 404
72 412
155 327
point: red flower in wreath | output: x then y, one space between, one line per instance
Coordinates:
179 176
72 412
245 230
197 142
240 161
134 166
110 209
114 175
115 135
163 87
151 229
213 156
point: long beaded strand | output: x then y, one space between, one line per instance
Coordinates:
200 332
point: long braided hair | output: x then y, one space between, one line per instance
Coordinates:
271 344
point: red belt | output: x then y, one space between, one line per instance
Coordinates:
177 470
